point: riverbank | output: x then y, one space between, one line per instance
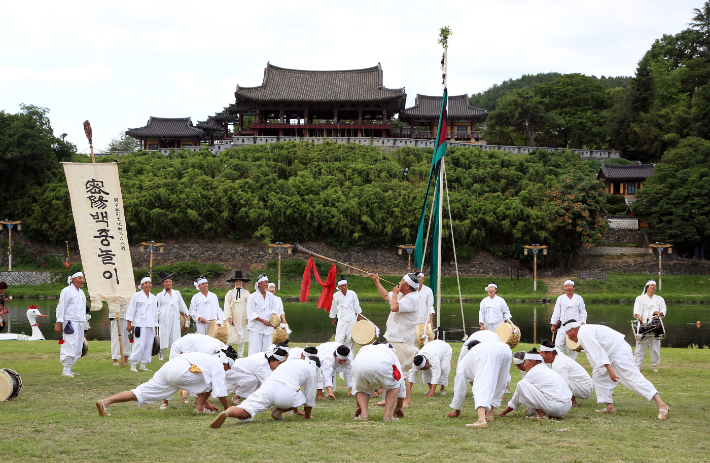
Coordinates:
44 422
618 288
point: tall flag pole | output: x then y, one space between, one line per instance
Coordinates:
436 180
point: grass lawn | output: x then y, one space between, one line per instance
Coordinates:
54 419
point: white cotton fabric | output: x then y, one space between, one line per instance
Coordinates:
248 374
373 369
170 306
410 282
169 379
194 342
298 377
212 371
491 285
569 282
142 349
236 309
576 377
567 309
543 389
529 356
200 281
342 282
115 347
70 351
438 353
493 312
605 346
71 305
480 336
426 307
206 307
645 343
143 310
346 308
259 343
260 306
645 306
487 365
402 325
330 367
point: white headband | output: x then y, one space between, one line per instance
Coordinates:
572 325
569 282
271 352
76 275
410 282
341 357
518 361
271 284
420 274
262 278
223 357
529 356
547 349
342 282
491 285
200 281
144 280
648 283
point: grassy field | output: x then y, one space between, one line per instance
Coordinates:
54 419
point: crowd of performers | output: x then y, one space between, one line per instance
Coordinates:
281 379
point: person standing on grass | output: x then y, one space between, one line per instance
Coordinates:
142 314
541 390
647 306
260 307
170 306
493 309
204 307
278 303
198 373
613 363
235 311
487 366
568 306
576 377
345 311
118 321
72 321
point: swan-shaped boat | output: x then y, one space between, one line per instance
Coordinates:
32 314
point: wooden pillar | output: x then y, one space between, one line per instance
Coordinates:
241 122
281 116
411 130
335 116
224 126
384 121
305 121
359 115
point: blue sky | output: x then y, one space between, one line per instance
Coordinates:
116 63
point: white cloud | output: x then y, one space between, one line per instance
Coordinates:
94 73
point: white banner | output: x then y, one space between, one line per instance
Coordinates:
97 206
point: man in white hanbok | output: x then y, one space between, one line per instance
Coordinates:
170 306
248 373
613 362
576 377
198 373
569 306
377 366
402 321
648 305
345 311
426 295
204 307
72 321
493 309
260 307
235 311
142 314
291 385
334 359
487 366
480 336
278 303
434 361
541 389
116 323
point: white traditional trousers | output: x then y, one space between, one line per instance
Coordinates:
343 333
259 342
492 326
561 343
645 343
172 376
272 393
70 350
529 395
115 348
623 364
142 347
405 354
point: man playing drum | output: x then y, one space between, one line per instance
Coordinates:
647 306
402 321
260 307
613 362
434 361
334 359
72 320
576 377
142 314
487 366
493 309
235 311
345 311
377 366
204 307
170 306
568 306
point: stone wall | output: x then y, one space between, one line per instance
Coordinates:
26 278
625 236
613 251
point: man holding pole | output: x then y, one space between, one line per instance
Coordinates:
568 306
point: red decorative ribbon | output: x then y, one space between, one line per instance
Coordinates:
395 372
326 296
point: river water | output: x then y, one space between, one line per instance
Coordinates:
314 326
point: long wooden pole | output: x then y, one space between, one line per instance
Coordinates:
279 276
9 258
297 248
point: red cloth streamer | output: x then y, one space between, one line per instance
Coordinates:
326 296
395 372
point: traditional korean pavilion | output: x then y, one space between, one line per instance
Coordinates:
292 102
461 121
624 179
166 132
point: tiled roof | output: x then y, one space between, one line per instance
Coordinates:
167 127
627 172
429 107
210 125
323 86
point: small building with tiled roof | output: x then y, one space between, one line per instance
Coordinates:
296 102
167 132
460 122
624 179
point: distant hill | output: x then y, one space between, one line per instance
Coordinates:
489 99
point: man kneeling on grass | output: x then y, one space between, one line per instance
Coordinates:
291 385
377 366
541 389
202 374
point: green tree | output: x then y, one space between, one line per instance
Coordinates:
676 199
123 143
519 113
